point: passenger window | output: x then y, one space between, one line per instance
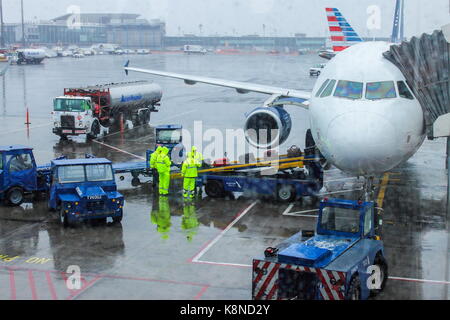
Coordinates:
368 218
322 87
380 90
403 91
329 89
349 89
20 162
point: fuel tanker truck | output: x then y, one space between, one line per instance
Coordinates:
29 56
84 111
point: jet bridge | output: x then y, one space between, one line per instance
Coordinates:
425 63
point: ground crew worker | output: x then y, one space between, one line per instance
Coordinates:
163 164
189 172
152 161
189 221
162 217
197 156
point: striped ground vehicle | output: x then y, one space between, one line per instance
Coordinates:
344 260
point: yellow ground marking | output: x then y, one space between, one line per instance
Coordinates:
382 192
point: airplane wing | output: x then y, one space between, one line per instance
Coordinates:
300 97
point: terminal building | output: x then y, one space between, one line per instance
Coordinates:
86 29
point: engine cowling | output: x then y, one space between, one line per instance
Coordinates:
268 127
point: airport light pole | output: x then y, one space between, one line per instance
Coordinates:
23 25
2 29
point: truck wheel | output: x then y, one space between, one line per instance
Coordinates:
63 218
15 196
380 261
63 137
95 131
354 289
135 182
214 189
286 193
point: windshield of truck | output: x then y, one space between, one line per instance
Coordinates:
168 136
99 172
71 105
71 174
340 219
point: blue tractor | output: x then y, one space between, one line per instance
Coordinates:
79 189
343 260
84 189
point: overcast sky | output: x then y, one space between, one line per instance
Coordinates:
241 17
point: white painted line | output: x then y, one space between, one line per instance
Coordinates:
25 129
220 235
288 209
120 150
342 179
420 280
163 121
227 264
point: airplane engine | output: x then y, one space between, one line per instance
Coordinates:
267 127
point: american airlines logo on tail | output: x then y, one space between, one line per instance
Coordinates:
342 33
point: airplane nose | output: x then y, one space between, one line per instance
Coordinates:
363 143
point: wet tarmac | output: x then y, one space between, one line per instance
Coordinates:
173 250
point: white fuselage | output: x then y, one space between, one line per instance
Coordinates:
359 135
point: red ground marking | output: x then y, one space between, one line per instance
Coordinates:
200 294
12 285
32 285
51 287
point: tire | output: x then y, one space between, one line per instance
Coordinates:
380 261
214 189
354 289
63 220
135 182
15 196
95 131
286 193
63 137
118 219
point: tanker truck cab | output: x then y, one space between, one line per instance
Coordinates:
75 116
343 260
84 189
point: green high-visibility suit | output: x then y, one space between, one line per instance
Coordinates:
152 161
189 172
162 217
163 164
189 221
197 156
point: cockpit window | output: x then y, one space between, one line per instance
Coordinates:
329 89
322 87
349 89
380 90
403 91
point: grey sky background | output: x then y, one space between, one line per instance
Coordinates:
242 17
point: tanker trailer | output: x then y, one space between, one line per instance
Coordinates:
30 56
85 110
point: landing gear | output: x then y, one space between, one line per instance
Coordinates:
368 189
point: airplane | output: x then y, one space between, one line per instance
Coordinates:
343 35
364 118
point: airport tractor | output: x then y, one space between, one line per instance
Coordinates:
78 189
343 260
84 111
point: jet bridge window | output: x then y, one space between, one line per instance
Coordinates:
403 90
322 87
329 89
380 90
349 89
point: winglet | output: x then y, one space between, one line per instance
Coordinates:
126 66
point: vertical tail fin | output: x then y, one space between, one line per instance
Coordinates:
342 33
398 28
